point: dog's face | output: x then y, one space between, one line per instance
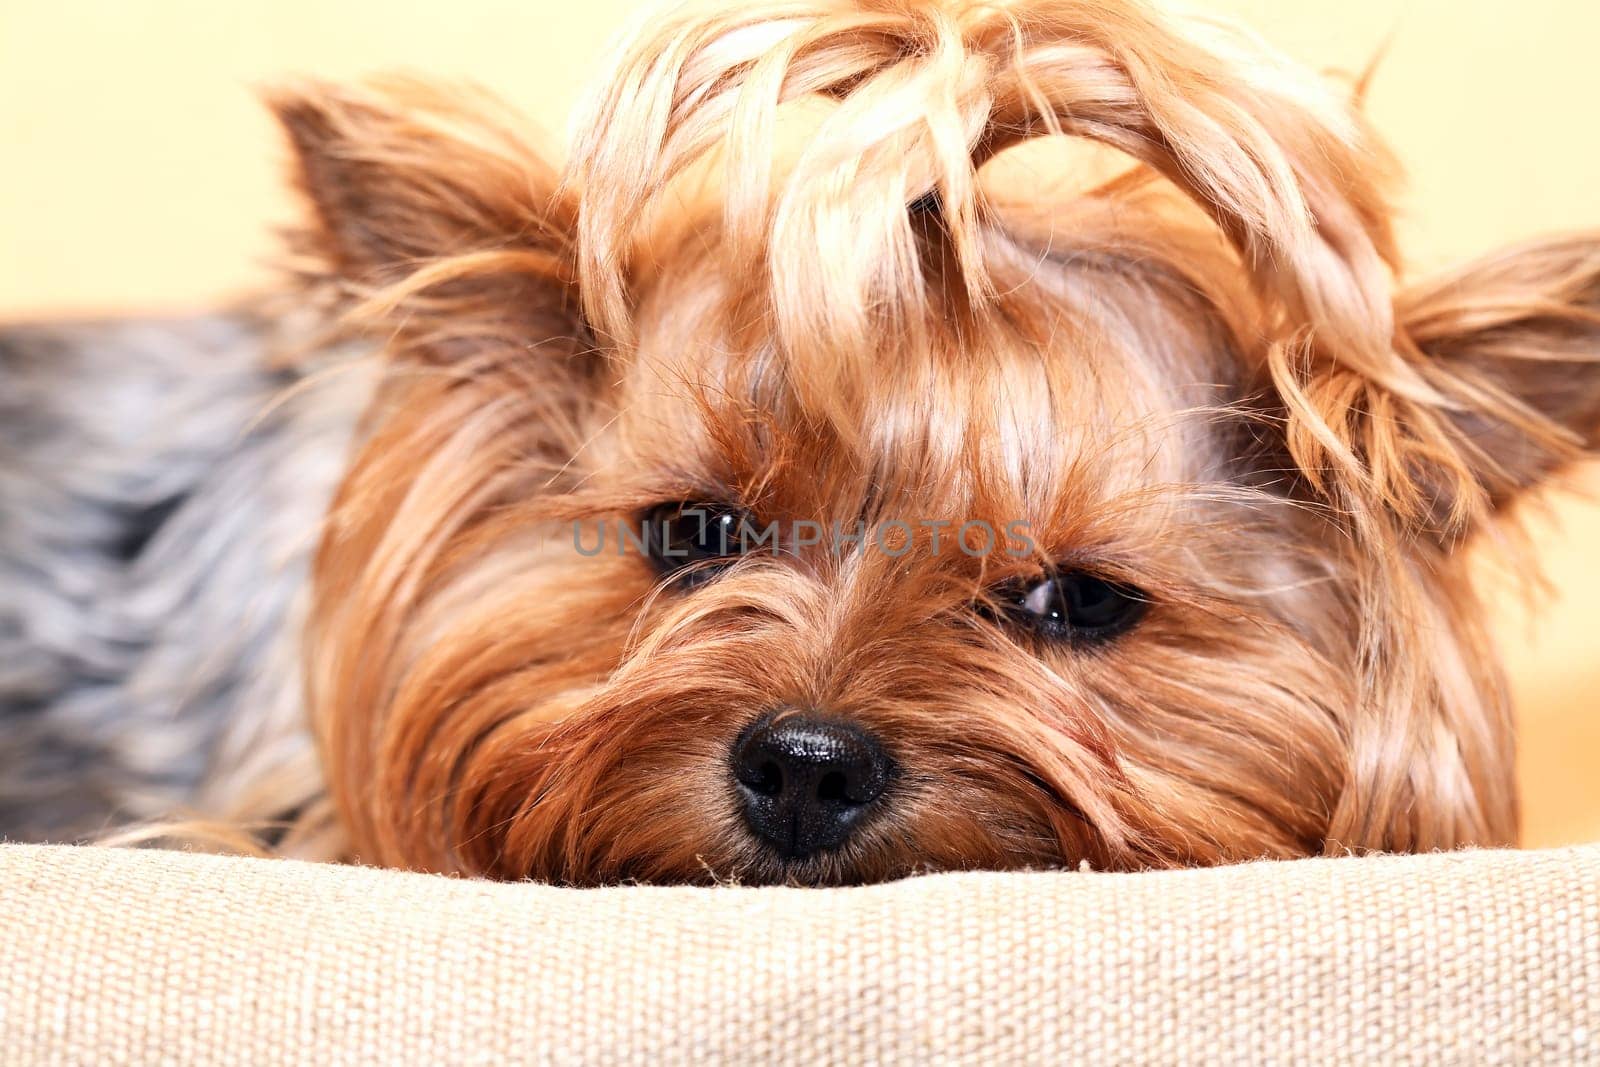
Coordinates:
866 525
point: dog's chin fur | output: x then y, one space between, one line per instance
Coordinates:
1201 379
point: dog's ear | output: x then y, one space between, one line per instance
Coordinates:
429 208
1514 340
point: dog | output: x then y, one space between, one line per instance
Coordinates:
771 495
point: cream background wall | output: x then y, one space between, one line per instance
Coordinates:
137 172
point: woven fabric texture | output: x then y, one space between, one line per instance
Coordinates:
110 956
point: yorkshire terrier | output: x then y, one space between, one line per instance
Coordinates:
774 494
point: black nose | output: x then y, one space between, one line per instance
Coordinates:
807 780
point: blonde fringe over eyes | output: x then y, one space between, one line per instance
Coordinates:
926 93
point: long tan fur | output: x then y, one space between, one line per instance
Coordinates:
1199 380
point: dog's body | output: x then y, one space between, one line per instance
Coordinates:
160 485
1230 460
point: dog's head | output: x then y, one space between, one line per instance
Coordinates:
868 514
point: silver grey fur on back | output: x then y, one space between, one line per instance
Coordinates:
161 489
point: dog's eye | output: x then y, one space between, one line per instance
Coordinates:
1070 605
690 540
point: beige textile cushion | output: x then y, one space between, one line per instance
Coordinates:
122 956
